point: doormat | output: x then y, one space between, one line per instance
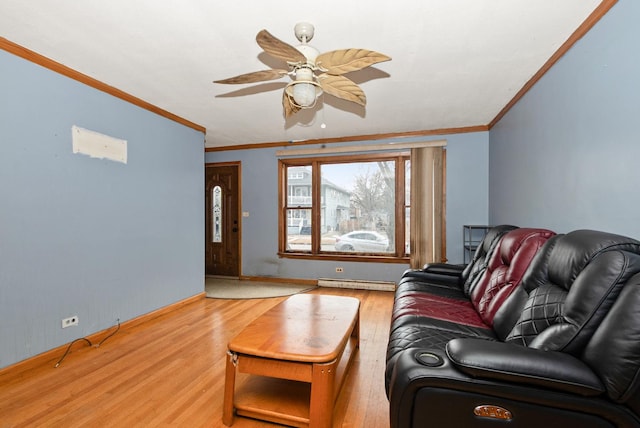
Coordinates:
224 288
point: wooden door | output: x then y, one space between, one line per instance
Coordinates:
222 228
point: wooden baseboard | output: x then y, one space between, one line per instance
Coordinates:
52 355
161 311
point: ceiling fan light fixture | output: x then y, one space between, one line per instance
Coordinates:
304 94
304 91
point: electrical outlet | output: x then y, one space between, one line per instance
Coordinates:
339 270
68 322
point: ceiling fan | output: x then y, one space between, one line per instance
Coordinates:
312 73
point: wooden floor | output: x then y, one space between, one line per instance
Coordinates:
169 371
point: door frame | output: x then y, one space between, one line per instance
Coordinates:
238 165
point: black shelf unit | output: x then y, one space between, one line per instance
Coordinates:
472 235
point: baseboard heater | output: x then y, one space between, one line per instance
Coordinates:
357 284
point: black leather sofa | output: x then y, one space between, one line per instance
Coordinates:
562 349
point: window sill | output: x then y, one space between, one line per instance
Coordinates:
346 257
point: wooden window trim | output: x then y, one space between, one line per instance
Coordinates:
315 162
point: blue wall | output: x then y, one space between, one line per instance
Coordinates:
89 237
467 196
566 156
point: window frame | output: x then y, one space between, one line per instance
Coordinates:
397 256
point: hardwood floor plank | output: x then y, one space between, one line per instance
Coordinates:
169 371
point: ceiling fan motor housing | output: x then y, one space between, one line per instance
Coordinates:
309 52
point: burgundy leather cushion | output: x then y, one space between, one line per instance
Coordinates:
505 269
437 307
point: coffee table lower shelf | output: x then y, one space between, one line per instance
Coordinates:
281 401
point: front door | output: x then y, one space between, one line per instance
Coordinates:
222 228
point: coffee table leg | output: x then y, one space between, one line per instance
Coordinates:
322 398
229 388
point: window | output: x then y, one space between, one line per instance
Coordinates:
345 205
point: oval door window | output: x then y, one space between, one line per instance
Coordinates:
217 214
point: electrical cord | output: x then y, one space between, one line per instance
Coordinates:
111 334
69 348
89 342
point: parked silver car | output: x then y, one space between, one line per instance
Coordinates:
363 241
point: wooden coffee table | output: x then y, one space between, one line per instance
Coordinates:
295 357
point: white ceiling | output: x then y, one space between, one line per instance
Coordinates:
455 63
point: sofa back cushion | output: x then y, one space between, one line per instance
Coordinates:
505 269
478 264
567 301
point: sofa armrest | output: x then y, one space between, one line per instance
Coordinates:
515 363
444 269
434 277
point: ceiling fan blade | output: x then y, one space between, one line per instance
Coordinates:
279 49
345 60
341 87
256 76
289 108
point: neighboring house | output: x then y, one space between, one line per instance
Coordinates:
333 198
298 194
335 206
